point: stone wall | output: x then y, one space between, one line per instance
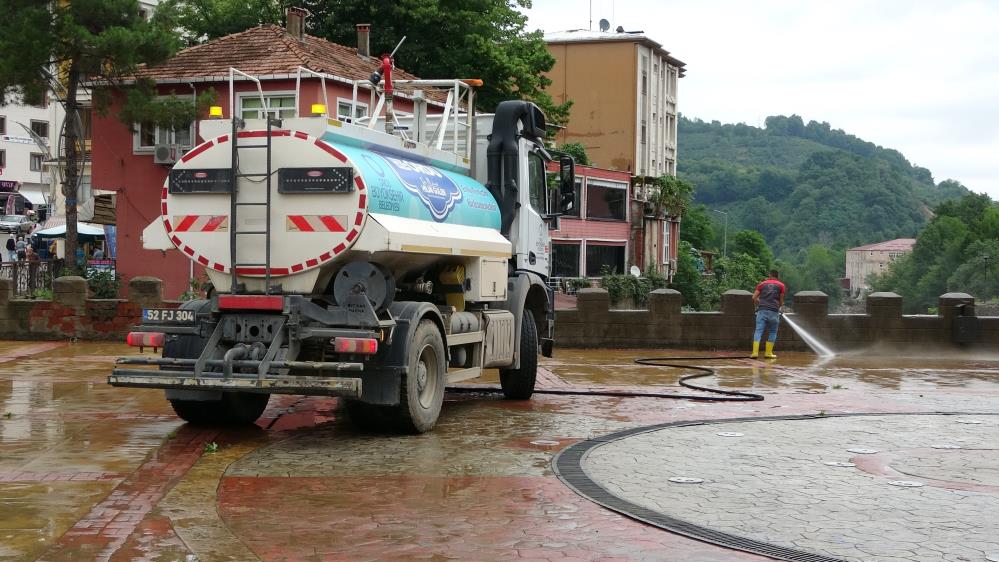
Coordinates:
70 314
593 324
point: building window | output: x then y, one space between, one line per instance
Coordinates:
644 132
565 259
343 110
606 200
40 128
148 136
282 107
35 161
666 226
538 179
3 125
3 158
599 257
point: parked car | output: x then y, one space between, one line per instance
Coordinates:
18 224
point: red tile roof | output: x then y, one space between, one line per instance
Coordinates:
897 245
266 50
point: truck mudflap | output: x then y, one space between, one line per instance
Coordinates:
248 382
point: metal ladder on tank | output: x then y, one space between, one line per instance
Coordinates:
235 175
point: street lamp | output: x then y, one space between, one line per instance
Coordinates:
725 233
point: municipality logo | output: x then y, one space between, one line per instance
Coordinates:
436 191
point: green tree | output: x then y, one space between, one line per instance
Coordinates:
209 19
976 275
577 151
83 41
697 228
485 39
751 243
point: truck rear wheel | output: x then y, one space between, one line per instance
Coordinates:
233 408
421 394
518 384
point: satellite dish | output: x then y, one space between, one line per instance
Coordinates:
604 25
635 271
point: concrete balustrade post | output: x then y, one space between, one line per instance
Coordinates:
592 302
811 304
736 302
6 291
955 304
70 291
884 305
146 292
665 303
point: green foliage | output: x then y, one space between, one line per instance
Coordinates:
578 283
738 271
688 279
45 294
954 253
143 104
209 19
696 228
103 284
631 289
667 194
751 243
577 151
197 288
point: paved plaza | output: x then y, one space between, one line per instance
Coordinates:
88 472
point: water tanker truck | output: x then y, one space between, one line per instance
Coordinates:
373 261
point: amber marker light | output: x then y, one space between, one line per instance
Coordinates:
474 82
215 111
318 109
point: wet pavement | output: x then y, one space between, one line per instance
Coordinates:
91 472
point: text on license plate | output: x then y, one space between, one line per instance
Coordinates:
167 316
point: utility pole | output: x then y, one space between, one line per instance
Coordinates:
725 234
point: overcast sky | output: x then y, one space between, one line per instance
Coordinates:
918 76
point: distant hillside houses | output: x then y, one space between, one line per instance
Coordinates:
864 261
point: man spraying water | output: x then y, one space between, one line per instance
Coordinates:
769 299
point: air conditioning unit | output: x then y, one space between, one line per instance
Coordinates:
166 154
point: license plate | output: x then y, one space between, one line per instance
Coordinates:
167 316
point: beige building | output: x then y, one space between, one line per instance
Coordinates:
624 92
864 261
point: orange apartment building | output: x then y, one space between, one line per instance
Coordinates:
624 91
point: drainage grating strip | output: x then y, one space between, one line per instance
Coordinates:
568 466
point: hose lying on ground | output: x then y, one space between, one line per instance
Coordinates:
727 395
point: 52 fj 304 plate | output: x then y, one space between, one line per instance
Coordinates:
167 316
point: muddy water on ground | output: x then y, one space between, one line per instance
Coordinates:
67 439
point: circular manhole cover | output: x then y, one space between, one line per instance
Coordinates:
686 480
906 483
862 451
545 442
840 464
730 434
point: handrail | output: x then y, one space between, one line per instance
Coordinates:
322 82
232 92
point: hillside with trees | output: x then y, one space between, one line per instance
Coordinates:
801 184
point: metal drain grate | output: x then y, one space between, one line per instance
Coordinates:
568 466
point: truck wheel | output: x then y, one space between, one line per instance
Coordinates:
518 384
233 408
422 388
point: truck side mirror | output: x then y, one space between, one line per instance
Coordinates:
567 183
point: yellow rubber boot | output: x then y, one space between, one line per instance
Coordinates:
756 350
770 351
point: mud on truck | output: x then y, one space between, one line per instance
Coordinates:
377 259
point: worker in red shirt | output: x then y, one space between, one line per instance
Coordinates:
769 300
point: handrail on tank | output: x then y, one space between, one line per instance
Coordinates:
232 91
460 91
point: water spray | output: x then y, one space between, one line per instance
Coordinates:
809 339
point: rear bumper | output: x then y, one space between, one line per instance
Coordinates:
272 384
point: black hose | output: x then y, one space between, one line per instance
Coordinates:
727 395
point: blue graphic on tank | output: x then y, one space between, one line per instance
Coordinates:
438 193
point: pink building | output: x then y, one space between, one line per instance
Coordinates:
126 161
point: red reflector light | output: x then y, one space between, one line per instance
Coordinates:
251 302
145 339
364 346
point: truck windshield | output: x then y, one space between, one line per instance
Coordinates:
536 171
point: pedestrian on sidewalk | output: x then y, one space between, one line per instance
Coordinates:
11 249
769 301
20 245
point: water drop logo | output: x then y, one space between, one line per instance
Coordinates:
438 193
